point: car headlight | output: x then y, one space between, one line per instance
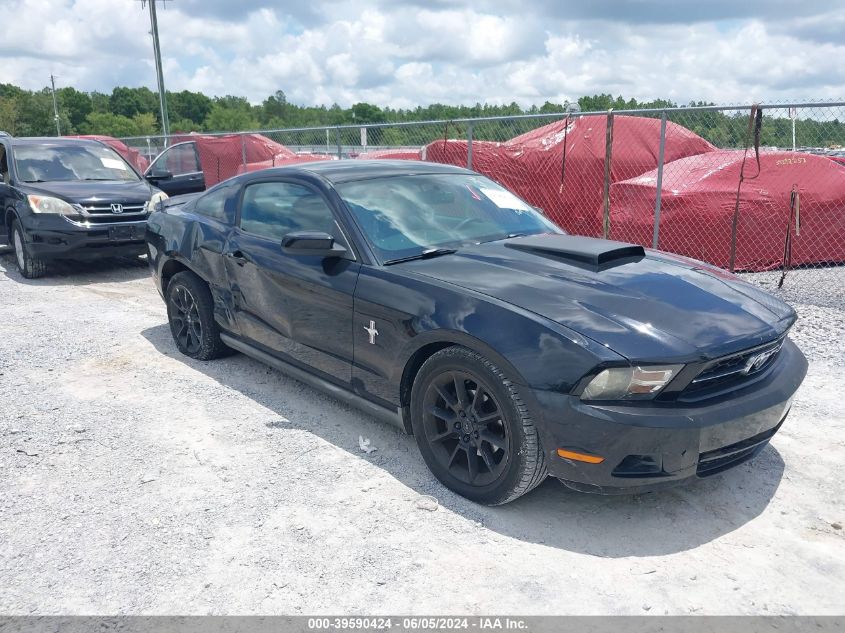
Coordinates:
47 204
158 196
630 383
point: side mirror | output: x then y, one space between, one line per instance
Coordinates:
158 175
314 243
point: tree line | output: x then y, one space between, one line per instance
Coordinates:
135 112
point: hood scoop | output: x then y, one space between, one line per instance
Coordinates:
589 253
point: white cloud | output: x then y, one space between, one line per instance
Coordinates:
408 54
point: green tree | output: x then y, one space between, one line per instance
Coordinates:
184 125
131 101
367 113
187 105
9 115
36 116
275 108
226 119
8 91
100 102
109 124
134 111
145 124
76 104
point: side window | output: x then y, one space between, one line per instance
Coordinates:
4 166
213 204
179 159
274 209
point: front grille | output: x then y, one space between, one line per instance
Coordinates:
721 459
732 372
103 214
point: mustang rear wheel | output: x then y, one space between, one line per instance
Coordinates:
473 430
190 310
30 267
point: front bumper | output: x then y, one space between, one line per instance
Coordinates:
58 238
651 445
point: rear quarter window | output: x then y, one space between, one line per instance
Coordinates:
218 204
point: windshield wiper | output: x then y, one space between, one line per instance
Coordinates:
505 237
426 254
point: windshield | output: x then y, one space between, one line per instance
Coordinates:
50 162
403 216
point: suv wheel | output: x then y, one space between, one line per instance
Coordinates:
190 310
29 266
473 430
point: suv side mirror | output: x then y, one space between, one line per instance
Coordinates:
314 243
159 174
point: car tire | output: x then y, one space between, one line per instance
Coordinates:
190 311
30 267
482 443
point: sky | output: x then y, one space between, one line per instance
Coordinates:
405 53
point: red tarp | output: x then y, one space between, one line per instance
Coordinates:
697 207
222 157
283 162
131 155
530 164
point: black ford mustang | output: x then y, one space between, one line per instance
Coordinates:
433 297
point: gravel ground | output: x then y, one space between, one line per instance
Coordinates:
135 480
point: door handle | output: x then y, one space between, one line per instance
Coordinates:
238 256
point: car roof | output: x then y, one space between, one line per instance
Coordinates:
339 171
52 140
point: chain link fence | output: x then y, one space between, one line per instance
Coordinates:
758 189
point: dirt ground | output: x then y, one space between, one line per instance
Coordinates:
135 480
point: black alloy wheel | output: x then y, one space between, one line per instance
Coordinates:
473 429
190 310
185 321
463 423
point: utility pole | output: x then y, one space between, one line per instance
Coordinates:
162 97
55 106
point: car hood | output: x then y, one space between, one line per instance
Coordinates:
644 305
85 192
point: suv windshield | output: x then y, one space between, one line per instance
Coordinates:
403 216
49 162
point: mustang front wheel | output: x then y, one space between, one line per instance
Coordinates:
473 430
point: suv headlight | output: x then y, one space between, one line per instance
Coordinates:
630 383
47 204
158 196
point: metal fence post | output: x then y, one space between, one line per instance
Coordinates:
658 200
243 149
337 138
469 146
608 156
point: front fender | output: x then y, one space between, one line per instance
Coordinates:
183 242
412 312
